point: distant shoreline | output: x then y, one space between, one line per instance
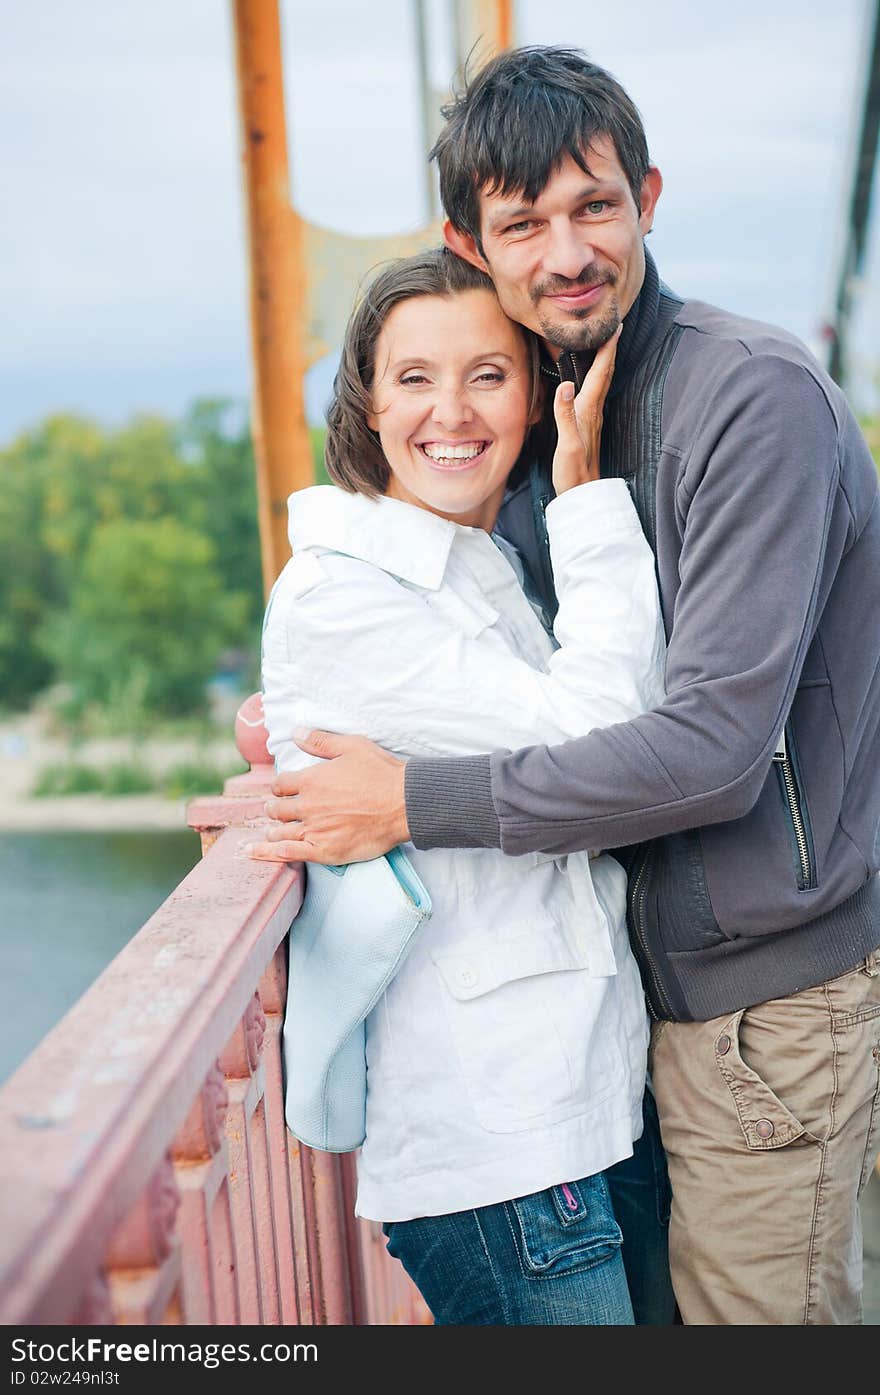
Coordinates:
27 747
93 813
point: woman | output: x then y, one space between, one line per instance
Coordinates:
506 1061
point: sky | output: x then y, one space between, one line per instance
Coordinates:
123 273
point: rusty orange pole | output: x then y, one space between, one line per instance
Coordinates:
277 279
484 25
504 23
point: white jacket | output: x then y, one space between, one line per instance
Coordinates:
509 1053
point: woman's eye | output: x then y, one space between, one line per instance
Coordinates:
490 375
413 380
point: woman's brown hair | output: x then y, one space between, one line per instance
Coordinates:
352 452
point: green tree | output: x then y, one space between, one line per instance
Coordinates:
148 617
58 483
214 438
63 487
317 436
25 583
94 477
32 576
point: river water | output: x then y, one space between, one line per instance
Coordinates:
69 902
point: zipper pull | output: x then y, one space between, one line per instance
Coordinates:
781 752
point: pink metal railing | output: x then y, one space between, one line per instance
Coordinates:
147 1173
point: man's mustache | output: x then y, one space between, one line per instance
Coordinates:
561 285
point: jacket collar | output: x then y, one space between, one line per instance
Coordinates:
406 541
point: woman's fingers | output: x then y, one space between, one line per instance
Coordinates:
591 398
576 458
579 420
566 422
570 408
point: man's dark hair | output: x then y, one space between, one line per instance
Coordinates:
352 451
517 119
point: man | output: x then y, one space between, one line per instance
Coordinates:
753 792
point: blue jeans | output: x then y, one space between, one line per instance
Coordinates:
642 1197
560 1257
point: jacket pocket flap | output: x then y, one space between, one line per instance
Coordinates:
476 968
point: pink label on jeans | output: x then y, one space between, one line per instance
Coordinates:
570 1198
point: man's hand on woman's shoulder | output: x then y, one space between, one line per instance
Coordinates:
349 808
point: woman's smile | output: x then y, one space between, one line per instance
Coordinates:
453 455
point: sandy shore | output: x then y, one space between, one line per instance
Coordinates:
94 813
27 747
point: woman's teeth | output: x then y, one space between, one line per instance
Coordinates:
441 451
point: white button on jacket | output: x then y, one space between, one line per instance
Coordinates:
509 1053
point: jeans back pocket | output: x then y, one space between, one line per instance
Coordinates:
566 1228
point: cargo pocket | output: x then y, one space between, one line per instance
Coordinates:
566 1229
766 1122
519 1024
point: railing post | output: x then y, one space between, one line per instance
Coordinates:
202 1168
244 796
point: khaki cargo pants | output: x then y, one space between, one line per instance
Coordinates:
769 1118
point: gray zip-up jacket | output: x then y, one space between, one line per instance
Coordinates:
757 783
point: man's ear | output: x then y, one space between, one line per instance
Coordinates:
652 188
464 246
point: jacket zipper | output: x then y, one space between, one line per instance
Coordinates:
540 500
543 501
658 1005
791 790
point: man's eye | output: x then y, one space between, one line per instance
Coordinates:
596 206
522 226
